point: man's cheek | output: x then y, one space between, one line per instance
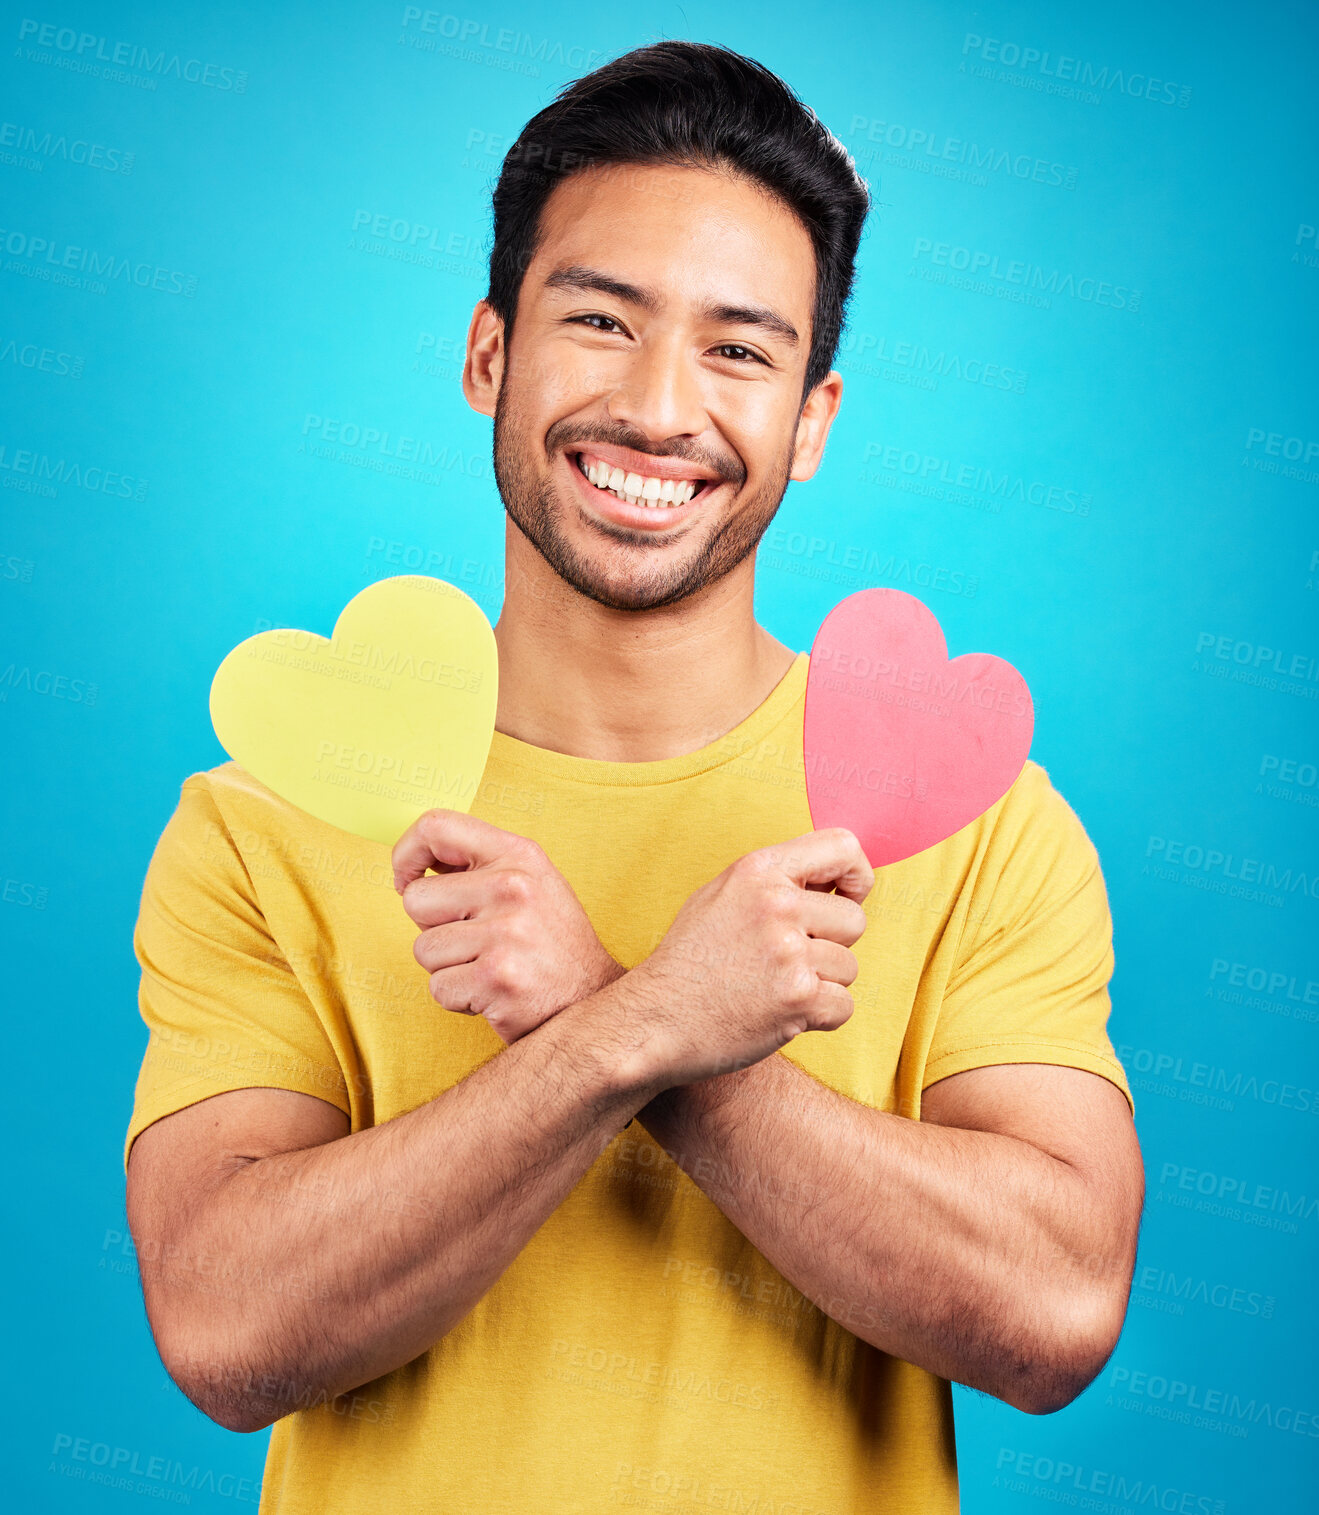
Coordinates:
558 380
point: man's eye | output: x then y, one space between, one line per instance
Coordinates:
594 317
737 351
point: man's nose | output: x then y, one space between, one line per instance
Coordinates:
661 393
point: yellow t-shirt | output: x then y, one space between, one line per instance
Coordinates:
639 1352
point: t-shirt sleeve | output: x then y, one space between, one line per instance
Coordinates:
223 1007
1030 981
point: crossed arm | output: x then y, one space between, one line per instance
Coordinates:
991 1242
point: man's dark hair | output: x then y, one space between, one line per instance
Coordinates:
690 105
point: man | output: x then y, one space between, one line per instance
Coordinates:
581 1216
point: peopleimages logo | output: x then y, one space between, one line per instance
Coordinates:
1271 989
84 51
919 148
1140 86
42 359
46 144
1016 277
1276 445
1185 1289
1288 771
139 1472
38 473
399 455
1196 1078
1257 656
1214 1401
39 256
386 228
862 351
1297 455
1076 1478
976 478
818 555
1248 1193
468 31
1226 865
1273 982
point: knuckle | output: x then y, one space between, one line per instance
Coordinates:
783 946
751 865
423 947
515 887
839 1009
779 902
515 930
504 972
524 852
527 850
799 985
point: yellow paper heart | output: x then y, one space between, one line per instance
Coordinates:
390 716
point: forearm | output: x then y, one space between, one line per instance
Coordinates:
343 1261
963 1252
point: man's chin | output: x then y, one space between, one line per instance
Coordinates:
618 589
610 564
620 567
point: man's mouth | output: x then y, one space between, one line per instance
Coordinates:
646 490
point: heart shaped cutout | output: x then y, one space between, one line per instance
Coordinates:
390 716
903 746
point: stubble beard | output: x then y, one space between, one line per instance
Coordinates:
535 508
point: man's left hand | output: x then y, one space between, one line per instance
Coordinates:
503 935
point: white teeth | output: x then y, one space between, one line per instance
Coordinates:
638 489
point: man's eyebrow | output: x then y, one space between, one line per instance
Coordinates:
577 276
754 315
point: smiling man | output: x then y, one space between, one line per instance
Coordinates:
626 1141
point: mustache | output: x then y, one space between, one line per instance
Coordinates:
564 434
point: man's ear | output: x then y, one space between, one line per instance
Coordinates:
483 372
817 416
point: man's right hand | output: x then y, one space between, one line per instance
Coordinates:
502 933
752 959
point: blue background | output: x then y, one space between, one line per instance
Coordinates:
1149 560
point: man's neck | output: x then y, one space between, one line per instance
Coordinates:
629 686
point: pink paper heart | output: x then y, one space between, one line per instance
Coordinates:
903 746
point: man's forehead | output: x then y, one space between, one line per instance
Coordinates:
728 244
